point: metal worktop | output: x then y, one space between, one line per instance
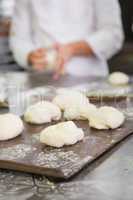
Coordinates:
108 178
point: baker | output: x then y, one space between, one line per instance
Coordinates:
84 33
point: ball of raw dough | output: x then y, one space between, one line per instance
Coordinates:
87 110
118 78
106 118
65 133
80 112
10 126
73 113
42 112
97 121
51 56
69 99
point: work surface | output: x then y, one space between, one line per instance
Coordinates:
109 177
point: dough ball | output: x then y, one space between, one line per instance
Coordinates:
51 56
81 112
114 118
106 118
118 78
97 121
73 113
87 110
69 99
75 104
65 133
42 112
10 126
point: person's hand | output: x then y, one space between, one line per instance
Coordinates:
37 59
64 54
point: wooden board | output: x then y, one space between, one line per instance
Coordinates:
25 153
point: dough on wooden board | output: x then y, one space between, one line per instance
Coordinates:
75 104
79 112
106 117
10 126
118 78
65 133
42 112
70 98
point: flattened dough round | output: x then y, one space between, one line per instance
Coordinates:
118 78
10 126
65 133
42 112
106 118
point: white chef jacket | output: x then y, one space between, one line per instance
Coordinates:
6 7
40 23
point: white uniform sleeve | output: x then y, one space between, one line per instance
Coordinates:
20 37
108 38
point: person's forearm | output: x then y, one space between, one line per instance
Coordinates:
81 48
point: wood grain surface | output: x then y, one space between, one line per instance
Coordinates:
25 153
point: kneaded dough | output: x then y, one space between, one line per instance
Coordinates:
10 126
42 112
51 56
106 117
65 133
70 98
75 104
80 112
118 78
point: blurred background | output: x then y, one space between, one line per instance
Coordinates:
123 61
